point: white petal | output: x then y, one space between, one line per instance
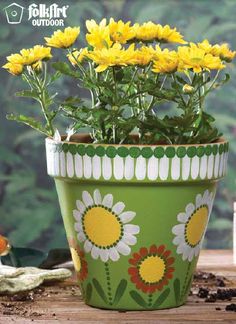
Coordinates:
118 208
80 206
197 250
108 201
114 255
87 246
123 248
95 252
78 227
97 197
177 240
186 252
81 237
191 254
87 199
199 201
126 217
189 209
129 239
182 217
132 229
178 229
77 215
205 196
104 255
181 248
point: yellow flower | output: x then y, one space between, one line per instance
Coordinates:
187 88
169 35
13 68
121 32
15 59
99 35
63 39
113 56
221 51
165 61
195 58
149 32
145 32
144 55
37 53
77 56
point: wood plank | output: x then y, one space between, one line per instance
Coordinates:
63 303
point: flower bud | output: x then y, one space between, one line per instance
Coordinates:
4 246
188 88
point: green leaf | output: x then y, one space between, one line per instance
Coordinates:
65 68
27 94
188 286
29 121
177 290
160 300
89 291
120 291
138 299
99 290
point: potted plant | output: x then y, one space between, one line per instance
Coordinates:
136 190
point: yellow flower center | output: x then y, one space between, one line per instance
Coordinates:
76 259
196 225
152 269
102 227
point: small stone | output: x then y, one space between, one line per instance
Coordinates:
231 308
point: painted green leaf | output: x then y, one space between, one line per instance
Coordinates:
120 291
177 290
188 285
99 290
160 299
138 299
89 290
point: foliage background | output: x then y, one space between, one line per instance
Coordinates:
29 211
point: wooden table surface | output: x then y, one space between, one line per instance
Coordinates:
64 305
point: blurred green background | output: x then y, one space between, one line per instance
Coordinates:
29 211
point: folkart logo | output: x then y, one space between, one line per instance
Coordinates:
43 15
39 14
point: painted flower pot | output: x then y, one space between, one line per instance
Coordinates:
135 217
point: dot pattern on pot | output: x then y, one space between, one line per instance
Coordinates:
137 163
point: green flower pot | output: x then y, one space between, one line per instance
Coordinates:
135 217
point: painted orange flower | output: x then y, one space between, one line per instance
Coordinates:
151 268
78 257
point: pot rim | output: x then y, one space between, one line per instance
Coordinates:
84 138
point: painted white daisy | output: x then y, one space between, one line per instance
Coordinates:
103 226
189 234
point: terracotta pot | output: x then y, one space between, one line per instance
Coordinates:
135 217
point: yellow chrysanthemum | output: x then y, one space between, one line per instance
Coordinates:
145 32
149 32
113 56
77 56
99 34
144 55
63 39
169 35
34 54
165 61
121 32
13 68
195 58
223 51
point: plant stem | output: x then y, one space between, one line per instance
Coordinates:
108 277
